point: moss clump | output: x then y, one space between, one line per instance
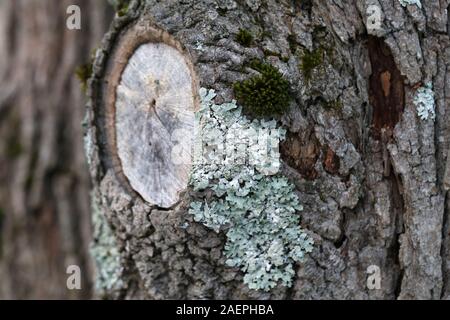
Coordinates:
123 10
244 37
263 95
83 74
323 52
310 61
121 6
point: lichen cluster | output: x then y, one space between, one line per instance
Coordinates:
424 102
106 255
256 207
266 94
404 3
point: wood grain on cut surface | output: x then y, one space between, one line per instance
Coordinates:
155 103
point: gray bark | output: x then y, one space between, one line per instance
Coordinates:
369 173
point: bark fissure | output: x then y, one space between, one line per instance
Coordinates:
386 88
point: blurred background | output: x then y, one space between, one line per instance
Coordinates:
44 189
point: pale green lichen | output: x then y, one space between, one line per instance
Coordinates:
106 254
404 3
424 102
252 203
199 46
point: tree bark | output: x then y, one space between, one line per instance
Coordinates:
368 171
44 194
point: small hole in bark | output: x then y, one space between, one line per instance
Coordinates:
386 87
152 105
340 242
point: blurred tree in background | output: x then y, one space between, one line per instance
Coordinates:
44 189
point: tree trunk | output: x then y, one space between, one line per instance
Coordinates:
369 172
44 195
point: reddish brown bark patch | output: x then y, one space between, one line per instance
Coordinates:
301 155
331 162
386 87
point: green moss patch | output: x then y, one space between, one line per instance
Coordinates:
121 6
266 94
83 74
244 37
310 60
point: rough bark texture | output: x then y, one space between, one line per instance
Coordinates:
44 191
368 171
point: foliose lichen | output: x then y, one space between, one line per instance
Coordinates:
254 204
266 94
404 3
106 254
424 102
